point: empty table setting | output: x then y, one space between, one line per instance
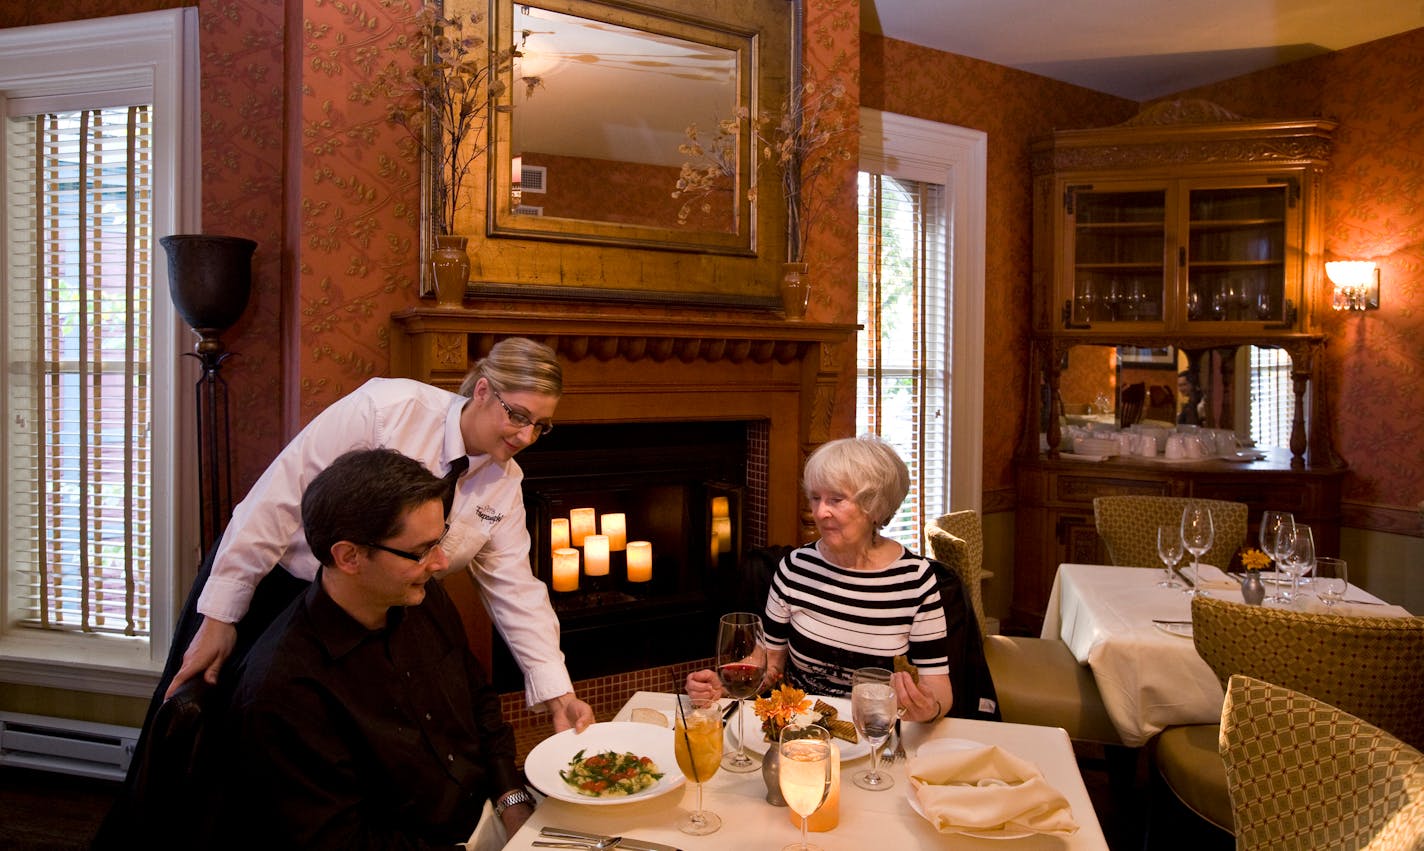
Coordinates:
965 774
1136 636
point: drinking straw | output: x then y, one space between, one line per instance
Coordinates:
687 740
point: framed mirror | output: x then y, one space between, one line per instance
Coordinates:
588 152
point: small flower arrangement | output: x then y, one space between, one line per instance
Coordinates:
784 707
1254 559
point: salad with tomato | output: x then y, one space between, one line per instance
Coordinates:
610 774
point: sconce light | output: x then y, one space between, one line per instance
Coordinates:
1357 284
516 182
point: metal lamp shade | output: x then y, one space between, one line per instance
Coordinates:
209 279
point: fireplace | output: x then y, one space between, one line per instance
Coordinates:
660 416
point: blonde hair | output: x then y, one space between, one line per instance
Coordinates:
865 468
517 364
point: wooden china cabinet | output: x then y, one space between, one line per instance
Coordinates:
1186 229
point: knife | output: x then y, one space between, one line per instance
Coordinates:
730 710
634 844
1183 574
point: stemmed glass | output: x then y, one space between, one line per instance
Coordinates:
1277 537
741 664
1300 560
1331 580
1197 535
805 774
873 709
1169 549
697 745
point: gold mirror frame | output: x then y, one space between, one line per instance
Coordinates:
524 256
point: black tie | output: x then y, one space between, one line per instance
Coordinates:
457 467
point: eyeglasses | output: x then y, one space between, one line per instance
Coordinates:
521 419
419 558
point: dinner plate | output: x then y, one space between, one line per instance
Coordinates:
1181 630
957 745
552 755
757 743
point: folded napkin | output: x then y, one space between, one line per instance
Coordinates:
1219 585
986 791
1308 603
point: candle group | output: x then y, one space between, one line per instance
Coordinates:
578 531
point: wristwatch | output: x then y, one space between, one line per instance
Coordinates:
511 798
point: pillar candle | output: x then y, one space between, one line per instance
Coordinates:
719 506
722 531
566 569
615 527
580 525
559 533
640 561
595 555
829 815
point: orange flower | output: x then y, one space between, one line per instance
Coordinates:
1254 559
780 708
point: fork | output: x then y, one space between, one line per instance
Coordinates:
897 752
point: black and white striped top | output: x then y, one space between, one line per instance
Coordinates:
836 620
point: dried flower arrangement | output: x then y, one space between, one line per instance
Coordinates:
781 708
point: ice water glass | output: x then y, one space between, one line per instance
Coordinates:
873 709
1331 579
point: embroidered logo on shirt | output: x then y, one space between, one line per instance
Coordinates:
489 515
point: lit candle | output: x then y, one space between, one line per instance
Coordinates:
719 506
559 533
722 531
580 525
640 561
829 815
595 555
615 527
566 569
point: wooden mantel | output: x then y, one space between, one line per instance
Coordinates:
638 368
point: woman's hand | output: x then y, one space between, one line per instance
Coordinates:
704 686
925 701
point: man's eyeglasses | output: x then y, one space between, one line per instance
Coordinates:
521 419
419 558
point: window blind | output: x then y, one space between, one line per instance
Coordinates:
1272 397
79 469
902 358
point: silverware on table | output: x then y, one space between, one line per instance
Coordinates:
1167 622
1365 602
602 845
627 842
1182 575
887 752
730 710
898 754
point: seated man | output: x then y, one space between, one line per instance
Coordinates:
360 718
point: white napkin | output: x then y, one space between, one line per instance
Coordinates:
489 834
986 790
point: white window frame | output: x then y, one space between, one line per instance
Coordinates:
956 158
158 49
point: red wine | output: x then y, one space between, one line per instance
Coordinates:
740 679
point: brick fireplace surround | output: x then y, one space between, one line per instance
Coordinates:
624 367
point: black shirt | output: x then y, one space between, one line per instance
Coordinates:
351 738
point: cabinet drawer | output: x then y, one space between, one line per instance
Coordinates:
1080 490
1297 497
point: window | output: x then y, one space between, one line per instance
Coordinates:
920 368
92 150
1272 397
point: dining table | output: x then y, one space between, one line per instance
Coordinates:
1136 638
867 819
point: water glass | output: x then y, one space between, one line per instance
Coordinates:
1169 549
1198 532
1331 579
873 709
1300 561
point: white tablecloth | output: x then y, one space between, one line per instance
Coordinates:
1149 678
868 820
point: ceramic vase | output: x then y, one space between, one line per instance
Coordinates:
450 266
1253 590
795 289
771 775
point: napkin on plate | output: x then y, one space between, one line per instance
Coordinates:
987 790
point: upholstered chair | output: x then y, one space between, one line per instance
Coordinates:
1367 666
1128 527
957 541
1304 774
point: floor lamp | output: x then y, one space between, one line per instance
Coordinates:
210 279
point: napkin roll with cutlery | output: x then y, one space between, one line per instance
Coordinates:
986 790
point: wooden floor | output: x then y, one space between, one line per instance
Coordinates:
41 811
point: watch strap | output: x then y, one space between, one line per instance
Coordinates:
511 798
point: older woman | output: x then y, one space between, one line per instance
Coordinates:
853 598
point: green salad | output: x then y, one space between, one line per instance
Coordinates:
610 774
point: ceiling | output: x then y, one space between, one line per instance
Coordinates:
1140 49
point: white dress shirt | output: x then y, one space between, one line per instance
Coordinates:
487 530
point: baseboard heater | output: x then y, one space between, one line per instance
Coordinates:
63 745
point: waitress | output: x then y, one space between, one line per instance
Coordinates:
505 403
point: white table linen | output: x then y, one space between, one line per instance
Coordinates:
867 819
1149 679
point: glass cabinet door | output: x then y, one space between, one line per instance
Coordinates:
1116 245
1236 261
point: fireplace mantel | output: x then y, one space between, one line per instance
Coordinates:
622 367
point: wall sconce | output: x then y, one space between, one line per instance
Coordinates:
1357 284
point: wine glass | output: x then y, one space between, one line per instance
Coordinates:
873 709
1331 580
1277 536
697 745
1169 549
1197 535
1300 560
805 774
741 664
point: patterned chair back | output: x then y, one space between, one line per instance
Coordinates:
1369 667
1303 774
957 540
1128 527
